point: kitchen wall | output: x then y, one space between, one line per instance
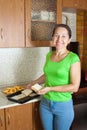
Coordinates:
21 65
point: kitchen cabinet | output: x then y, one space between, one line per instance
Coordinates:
2 120
41 16
18 28
12 23
29 23
19 117
24 117
75 4
16 118
36 117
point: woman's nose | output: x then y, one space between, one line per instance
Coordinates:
58 38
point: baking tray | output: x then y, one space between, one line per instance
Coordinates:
22 100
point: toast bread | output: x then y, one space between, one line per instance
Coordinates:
36 87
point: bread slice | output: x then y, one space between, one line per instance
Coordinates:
36 87
17 97
27 92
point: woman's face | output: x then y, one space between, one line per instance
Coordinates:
61 38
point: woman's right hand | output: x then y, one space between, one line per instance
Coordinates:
28 86
40 80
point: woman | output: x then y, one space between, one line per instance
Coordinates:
62 78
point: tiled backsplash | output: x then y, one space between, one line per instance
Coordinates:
21 65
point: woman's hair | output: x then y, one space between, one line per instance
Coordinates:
63 26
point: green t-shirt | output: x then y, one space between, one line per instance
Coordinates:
57 74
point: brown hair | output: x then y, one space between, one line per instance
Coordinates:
64 26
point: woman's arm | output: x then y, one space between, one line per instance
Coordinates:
40 80
75 76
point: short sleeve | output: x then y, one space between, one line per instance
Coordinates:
75 58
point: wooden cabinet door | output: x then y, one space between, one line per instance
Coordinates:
68 3
39 31
83 4
77 4
71 3
28 23
12 23
36 117
2 120
19 117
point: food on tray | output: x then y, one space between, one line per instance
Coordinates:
27 92
23 94
17 97
13 89
32 94
36 87
19 87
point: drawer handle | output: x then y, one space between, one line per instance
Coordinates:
1 124
36 109
8 119
76 5
28 34
2 33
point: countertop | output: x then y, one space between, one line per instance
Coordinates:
5 103
78 98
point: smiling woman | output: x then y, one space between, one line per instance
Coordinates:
61 78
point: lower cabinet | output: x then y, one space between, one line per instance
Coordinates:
36 117
21 117
2 120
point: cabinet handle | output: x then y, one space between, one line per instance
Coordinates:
8 119
1 122
28 34
2 33
36 110
76 5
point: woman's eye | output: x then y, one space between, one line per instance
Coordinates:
63 36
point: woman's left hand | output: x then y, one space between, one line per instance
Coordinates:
44 90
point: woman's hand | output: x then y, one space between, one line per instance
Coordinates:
28 86
44 90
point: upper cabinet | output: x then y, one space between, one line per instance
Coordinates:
30 23
41 16
76 4
12 23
